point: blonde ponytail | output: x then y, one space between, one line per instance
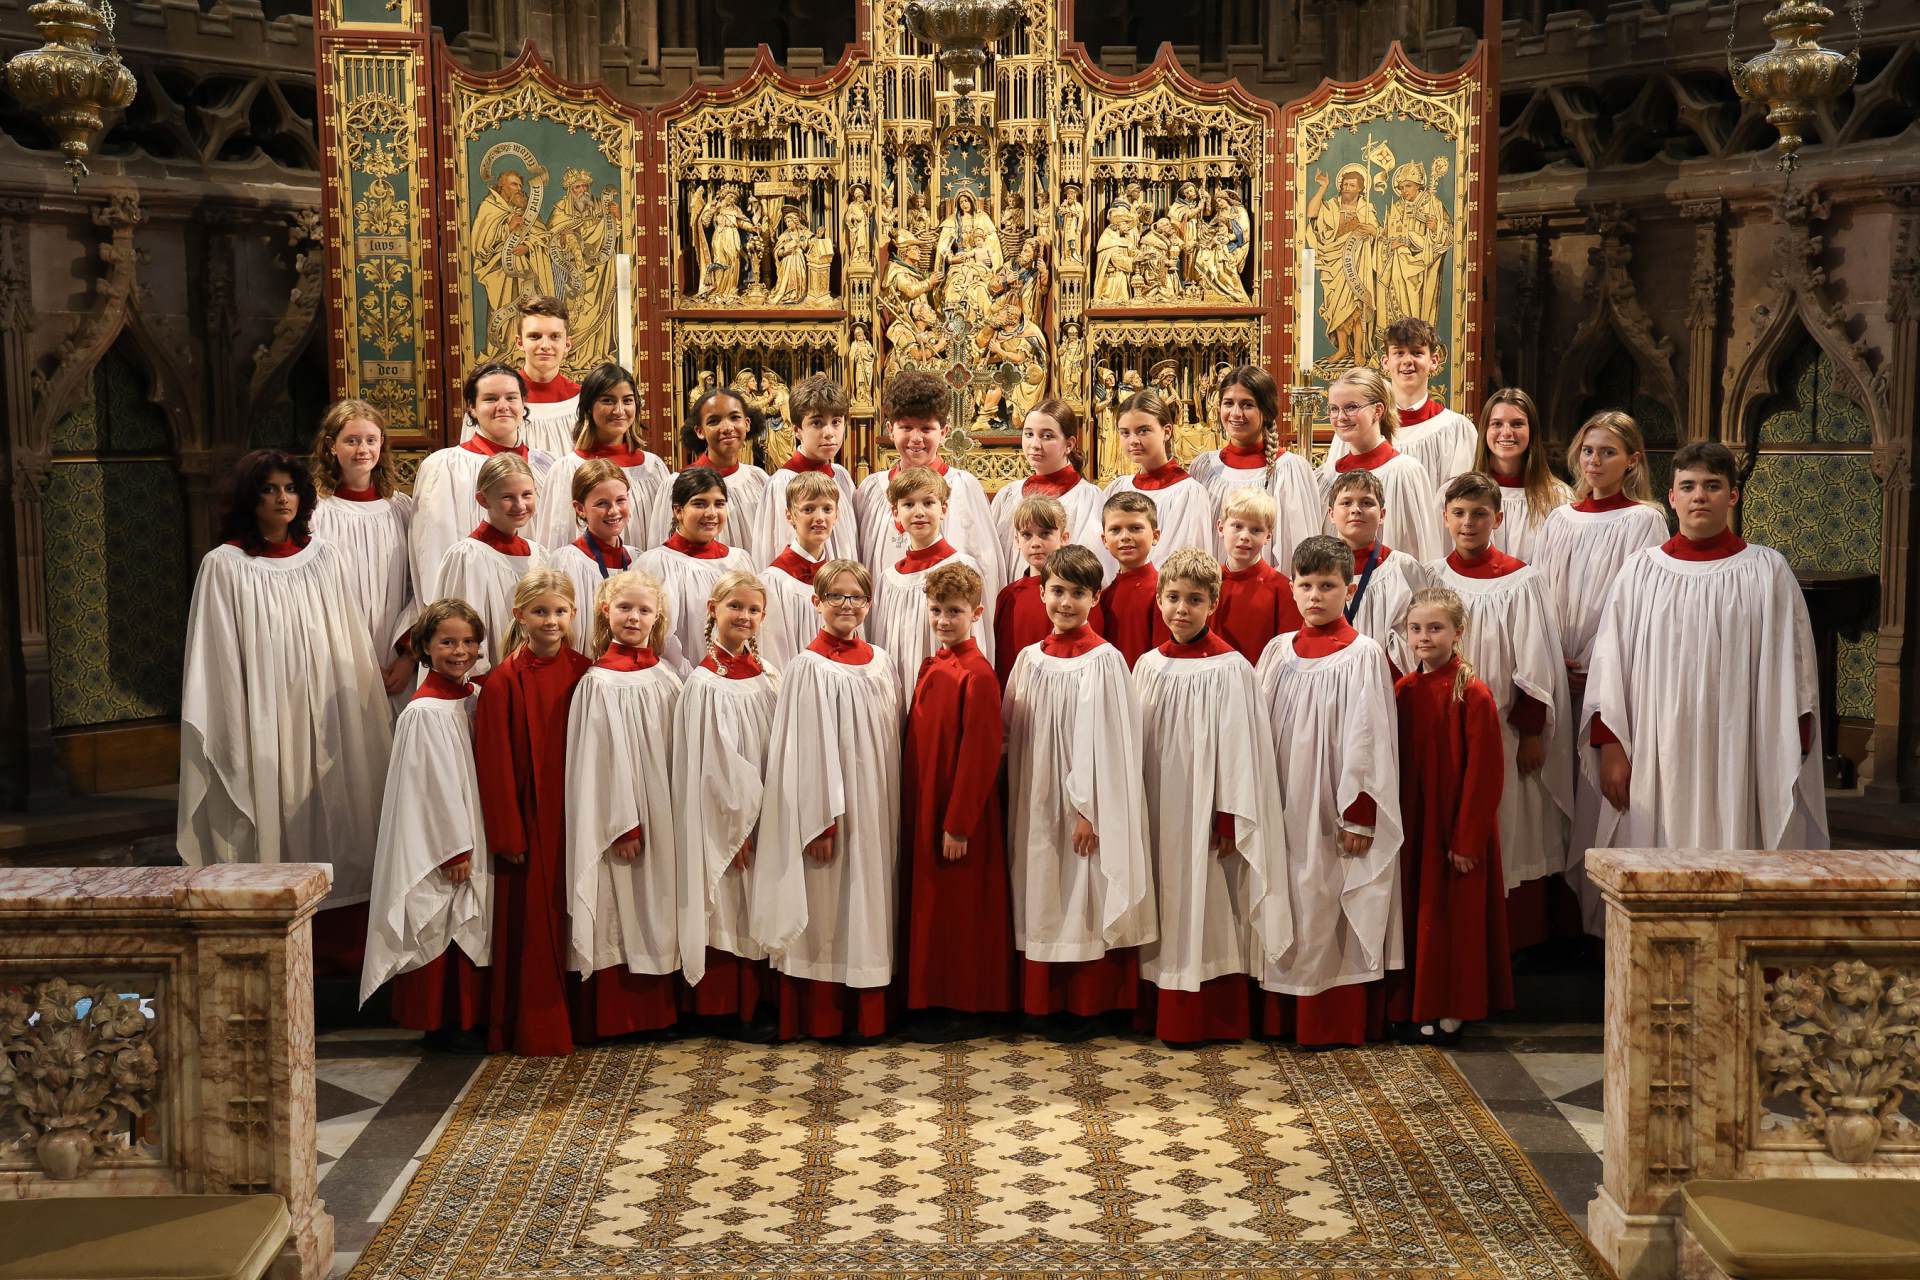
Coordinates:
533 585
600 631
1448 602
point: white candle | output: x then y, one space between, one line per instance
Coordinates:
1303 313
623 307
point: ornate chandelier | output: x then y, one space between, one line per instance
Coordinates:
68 82
960 31
1797 75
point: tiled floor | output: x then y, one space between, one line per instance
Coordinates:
382 1104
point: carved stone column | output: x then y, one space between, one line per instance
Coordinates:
1895 753
1529 300
18 754
1704 294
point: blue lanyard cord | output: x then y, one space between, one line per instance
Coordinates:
1360 592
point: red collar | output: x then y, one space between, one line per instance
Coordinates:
1243 457
1444 672
801 462
954 654
507 544
1360 558
1372 460
614 554
1053 485
627 657
1258 571
1164 476
438 686
1426 410
714 550
1508 482
1318 642
1721 545
618 454
1131 579
938 464
924 558
478 443
706 460
732 666
1071 644
794 563
260 549
369 494
1491 563
1204 645
1593 505
851 653
561 388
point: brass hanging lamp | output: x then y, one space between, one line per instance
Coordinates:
960 32
68 81
1797 75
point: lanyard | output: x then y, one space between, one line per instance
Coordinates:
593 548
1360 592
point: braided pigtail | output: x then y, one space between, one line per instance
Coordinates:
1462 676
706 639
773 677
1270 438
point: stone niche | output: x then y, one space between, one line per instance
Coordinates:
156 1038
1763 1021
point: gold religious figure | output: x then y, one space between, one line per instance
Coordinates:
820 271
1073 226
1413 251
790 259
1070 366
509 247
1343 233
860 360
725 236
856 223
582 236
1114 259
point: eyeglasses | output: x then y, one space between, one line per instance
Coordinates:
843 600
1346 410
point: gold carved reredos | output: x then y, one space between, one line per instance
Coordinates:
372 114
1447 116
1163 113
1143 333
784 336
475 112
769 113
890 28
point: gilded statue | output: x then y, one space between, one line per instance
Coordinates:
790 259
1229 208
1419 233
1073 226
1011 339
1106 405
958 233
583 235
1185 214
701 386
1027 274
856 224
969 271
1070 366
860 359
726 242
1013 226
1156 264
510 252
820 271
1114 259
1343 232
1213 267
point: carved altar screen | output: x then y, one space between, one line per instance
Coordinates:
1058 232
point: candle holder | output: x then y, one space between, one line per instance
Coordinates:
68 82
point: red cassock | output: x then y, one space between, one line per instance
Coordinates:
1451 769
1256 605
959 932
1020 619
520 746
1134 625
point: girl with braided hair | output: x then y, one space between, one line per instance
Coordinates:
1249 421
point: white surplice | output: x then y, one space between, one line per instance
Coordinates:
770 532
1209 751
1082 505
834 762
1444 444
1074 750
969 527
586 575
486 578
430 812
1702 670
1299 513
899 624
373 538
1580 553
1514 647
284 725
619 774
688 581
554 524
1382 614
791 622
1412 523
721 732
1520 534
746 488
1185 509
1335 737
445 510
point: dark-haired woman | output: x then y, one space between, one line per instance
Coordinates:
284 727
444 512
720 430
608 427
693 558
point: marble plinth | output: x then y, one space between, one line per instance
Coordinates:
1717 963
224 955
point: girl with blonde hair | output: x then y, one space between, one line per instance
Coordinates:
486 567
1364 419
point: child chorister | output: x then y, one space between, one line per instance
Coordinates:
486 566
1384 580
520 747
1330 702
443 489
1364 421
1513 646
691 560
1252 458
721 729
1130 535
1433 435
1051 441
813 503
819 406
608 430
916 406
1219 847
824 898
1083 899
622 856
1019 614
959 940
431 915
1183 509
718 431
1255 600
1452 769
360 511
602 502
899 620
1512 450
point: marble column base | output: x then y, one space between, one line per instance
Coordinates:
1639 1245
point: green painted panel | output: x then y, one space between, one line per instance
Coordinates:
1812 407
